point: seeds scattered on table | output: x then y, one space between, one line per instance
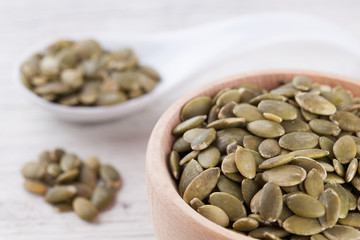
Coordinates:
83 74
68 183
278 165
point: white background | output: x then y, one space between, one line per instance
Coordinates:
25 130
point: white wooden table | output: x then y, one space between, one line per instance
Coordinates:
25 130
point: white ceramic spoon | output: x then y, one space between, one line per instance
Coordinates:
177 55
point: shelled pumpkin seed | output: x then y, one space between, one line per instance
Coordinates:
70 184
282 164
81 73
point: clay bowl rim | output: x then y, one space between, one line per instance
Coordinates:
158 178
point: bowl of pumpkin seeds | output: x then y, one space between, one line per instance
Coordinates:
264 155
79 80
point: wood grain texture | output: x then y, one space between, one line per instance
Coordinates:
179 221
26 129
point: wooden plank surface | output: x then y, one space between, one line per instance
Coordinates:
25 130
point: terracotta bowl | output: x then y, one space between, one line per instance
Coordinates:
172 217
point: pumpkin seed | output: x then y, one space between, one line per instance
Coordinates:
315 103
67 176
187 158
269 148
285 214
351 220
267 96
261 231
60 194
188 124
305 205
232 95
227 136
85 209
33 170
333 178
245 224
35 187
327 166
299 140
266 128
93 163
197 106
214 214
195 203
53 169
339 232
318 237
276 161
343 196
308 164
345 149
69 161
245 162
83 190
174 164
255 202
308 116
247 111
310 153
227 111
236 177
200 138
302 226
226 123
251 142
314 184
286 175
279 108
324 127
248 189
62 207
191 170
110 176
327 145
202 185
351 170
231 205
228 164
296 125
347 121
271 202
226 185
210 157
102 197
302 83
356 182
352 200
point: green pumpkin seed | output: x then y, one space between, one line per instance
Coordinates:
255 202
351 220
347 121
260 232
191 170
248 189
318 237
286 90
85 209
344 198
291 189
110 176
356 182
227 136
200 138
296 125
266 128
88 176
345 149
214 214
33 170
327 144
247 111
202 185
314 184
334 178
251 142
302 226
60 194
276 161
226 123
93 163
269 148
285 214
271 202
69 161
245 162
228 164
267 96
310 153
324 127
258 158
315 103
302 83
357 142
279 108
245 224
53 169
196 107
188 124
67 176
308 164
327 166
308 116
174 164
352 200
351 170
305 205
35 187
188 157
111 98
210 157
63 207
102 196
227 111
286 175
231 205
299 140
83 190
232 95
236 177
195 203
339 232
226 185
213 114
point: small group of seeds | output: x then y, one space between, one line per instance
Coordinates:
69 184
83 74
278 164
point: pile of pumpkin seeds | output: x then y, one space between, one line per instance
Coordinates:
83 74
68 183
278 164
